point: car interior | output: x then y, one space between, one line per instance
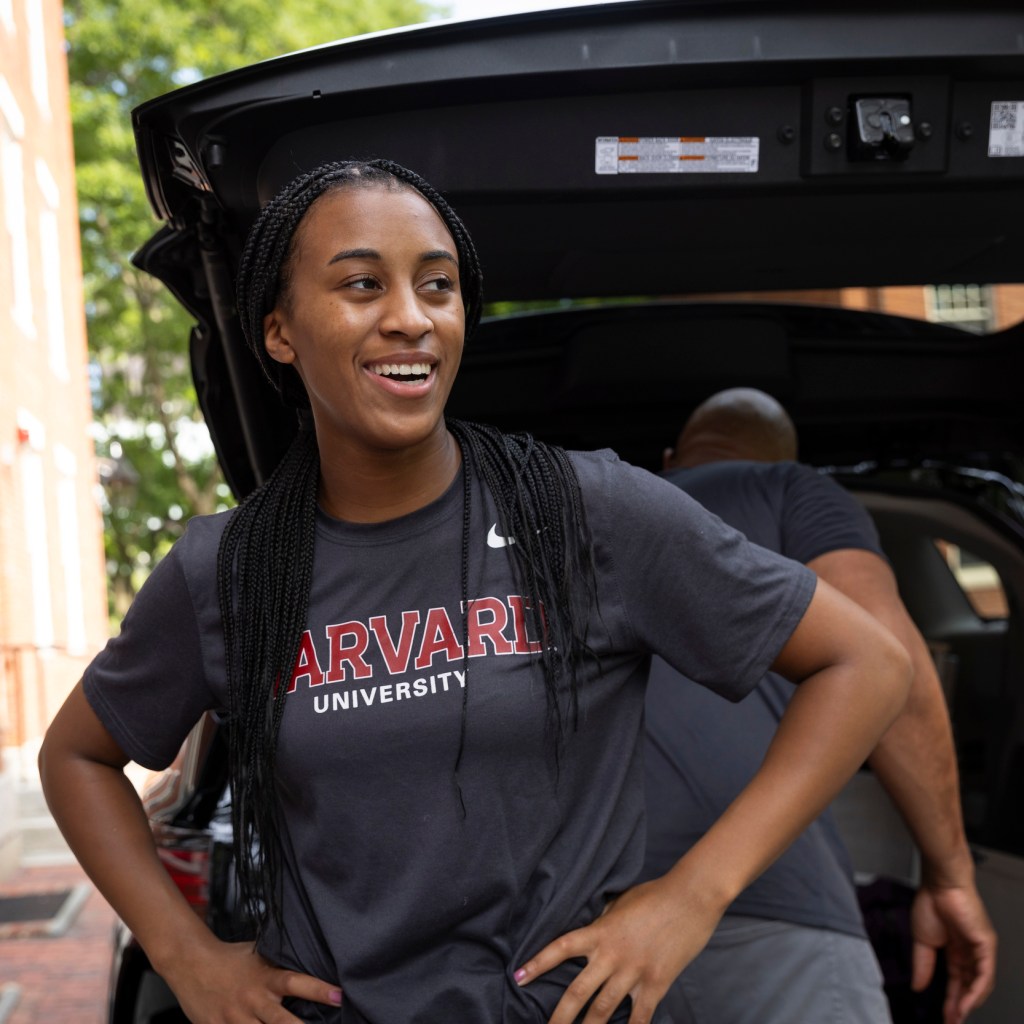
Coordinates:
976 645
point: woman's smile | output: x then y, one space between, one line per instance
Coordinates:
406 375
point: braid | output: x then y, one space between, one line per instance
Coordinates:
265 560
264 574
537 495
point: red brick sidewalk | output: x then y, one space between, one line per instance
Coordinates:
62 979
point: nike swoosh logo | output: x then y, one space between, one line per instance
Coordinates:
495 539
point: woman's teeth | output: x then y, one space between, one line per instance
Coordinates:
404 371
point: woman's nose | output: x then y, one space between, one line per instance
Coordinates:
404 314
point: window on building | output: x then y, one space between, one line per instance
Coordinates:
978 579
36 544
12 177
71 562
37 55
49 238
965 305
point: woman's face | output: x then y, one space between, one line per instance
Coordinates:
372 319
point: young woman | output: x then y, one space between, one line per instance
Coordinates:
432 640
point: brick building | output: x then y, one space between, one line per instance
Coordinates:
970 306
53 611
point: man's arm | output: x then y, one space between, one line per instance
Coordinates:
854 677
916 763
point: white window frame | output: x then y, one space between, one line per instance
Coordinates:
38 64
15 218
964 305
49 245
70 555
33 485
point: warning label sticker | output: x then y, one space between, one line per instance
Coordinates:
657 154
1006 128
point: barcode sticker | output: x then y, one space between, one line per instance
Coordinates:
676 154
1006 128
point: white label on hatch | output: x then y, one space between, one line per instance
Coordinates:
681 154
1006 128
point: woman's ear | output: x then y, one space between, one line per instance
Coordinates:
274 340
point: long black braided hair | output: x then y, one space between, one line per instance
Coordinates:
265 561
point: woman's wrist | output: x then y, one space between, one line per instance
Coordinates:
175 943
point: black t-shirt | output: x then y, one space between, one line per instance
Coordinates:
422 913
701 751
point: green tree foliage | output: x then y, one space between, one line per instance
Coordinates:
158 464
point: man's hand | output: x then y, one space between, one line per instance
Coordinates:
636 948
229 983
955 920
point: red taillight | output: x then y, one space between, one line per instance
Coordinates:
185 853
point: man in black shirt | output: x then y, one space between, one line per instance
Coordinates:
796 937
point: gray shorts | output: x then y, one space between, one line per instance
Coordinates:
756 971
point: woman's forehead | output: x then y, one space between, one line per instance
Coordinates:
361 214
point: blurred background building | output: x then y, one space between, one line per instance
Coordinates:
53 600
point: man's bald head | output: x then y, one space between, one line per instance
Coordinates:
740 423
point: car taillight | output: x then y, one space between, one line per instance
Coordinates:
186 854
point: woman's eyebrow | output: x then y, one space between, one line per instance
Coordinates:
439 254
354 254
373 254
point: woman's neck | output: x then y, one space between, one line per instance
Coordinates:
373 487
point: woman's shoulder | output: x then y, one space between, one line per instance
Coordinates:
600 465
603 470
617 493
205 530
196 549
597 457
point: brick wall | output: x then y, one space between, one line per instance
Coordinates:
1009 305
52 574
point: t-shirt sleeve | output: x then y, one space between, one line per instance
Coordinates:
685 585
148 685
819 516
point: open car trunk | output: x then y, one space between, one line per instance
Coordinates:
623 162
557 138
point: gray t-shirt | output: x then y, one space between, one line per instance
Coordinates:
701 751
422 913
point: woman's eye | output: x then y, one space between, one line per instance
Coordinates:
362 283
439 284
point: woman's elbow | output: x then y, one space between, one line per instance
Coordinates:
76 736
838 637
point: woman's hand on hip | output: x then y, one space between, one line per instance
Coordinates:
230 983
636 948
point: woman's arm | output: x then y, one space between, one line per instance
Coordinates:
854 679
102 818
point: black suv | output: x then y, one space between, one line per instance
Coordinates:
621 169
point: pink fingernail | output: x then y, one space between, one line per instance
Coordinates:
335 996
520 974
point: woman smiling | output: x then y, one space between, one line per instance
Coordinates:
464 853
